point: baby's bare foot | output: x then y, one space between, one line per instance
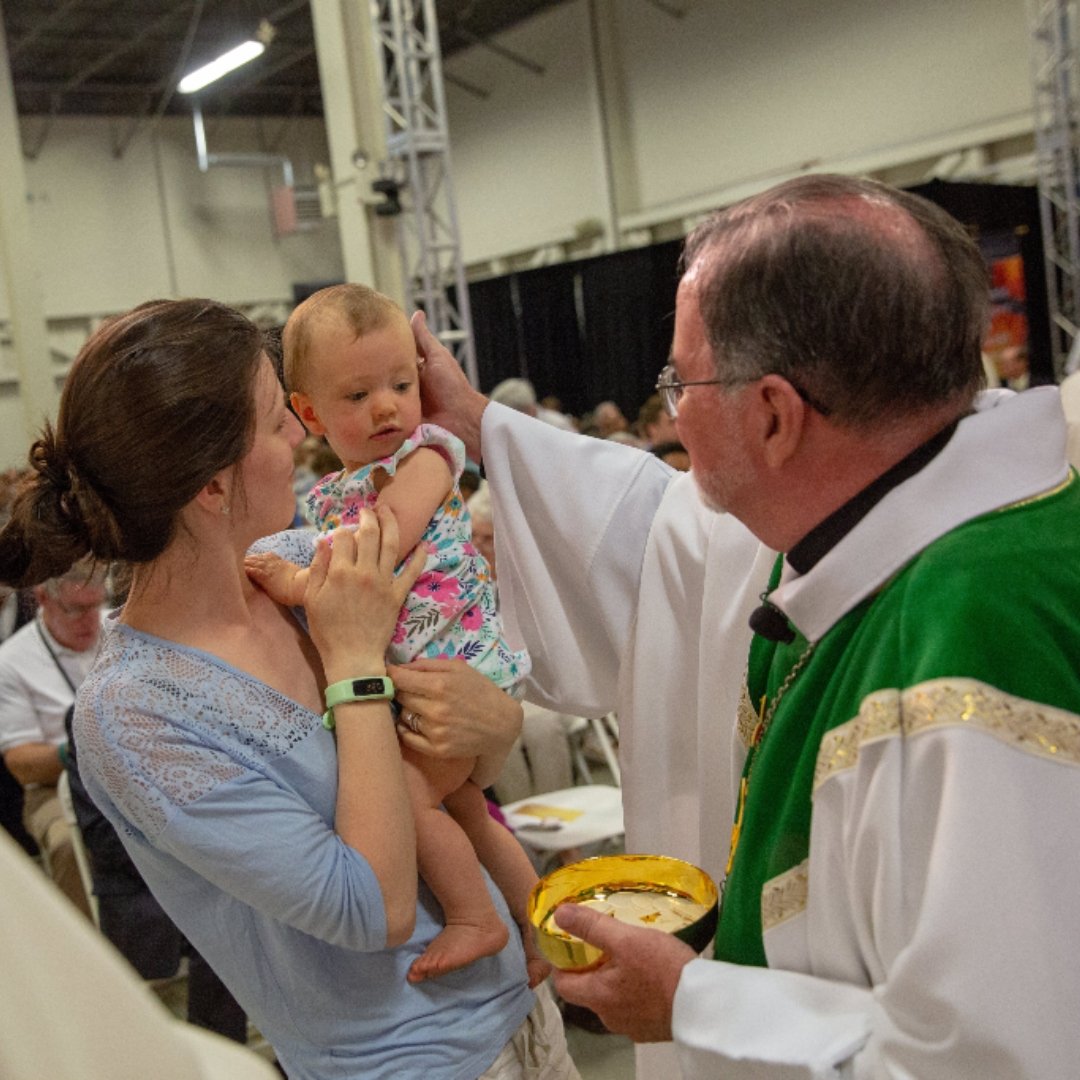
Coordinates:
458 945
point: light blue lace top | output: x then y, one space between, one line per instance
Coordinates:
223 792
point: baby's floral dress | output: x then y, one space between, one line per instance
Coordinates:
451 611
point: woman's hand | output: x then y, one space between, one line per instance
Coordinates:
353 600
352 597
456 712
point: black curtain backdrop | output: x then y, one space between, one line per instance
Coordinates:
552 355
628 302
585 331
495 328
601 328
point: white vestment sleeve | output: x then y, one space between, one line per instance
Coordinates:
745 1023
572 517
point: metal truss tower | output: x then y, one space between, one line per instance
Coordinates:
1055 66
418 149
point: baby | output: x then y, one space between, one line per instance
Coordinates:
351 367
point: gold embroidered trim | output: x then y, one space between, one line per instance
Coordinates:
784 896
878 718
1027 726
746 719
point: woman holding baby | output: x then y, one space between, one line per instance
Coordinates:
283 850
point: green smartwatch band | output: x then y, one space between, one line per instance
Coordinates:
369 688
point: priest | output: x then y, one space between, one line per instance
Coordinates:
884 768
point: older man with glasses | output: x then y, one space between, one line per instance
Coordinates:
903 763
41 667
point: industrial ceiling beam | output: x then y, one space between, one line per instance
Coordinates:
56 17
500 50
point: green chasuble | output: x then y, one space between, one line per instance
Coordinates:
957 610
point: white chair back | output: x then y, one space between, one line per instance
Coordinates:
82 860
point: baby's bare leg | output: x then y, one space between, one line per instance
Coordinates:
449 866
283 581
505 860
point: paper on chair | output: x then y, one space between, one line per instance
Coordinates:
539 810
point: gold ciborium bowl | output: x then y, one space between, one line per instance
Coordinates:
645 890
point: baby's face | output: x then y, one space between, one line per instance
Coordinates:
364 391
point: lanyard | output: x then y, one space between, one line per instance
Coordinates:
52 653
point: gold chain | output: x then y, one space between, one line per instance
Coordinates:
782 689
755 742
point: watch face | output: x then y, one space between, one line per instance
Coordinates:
368 687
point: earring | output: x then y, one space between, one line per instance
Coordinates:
225 509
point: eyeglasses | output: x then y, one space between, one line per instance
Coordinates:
670 388
75 611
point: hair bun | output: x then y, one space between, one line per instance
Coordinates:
51 463
80 510
58 480
71 502
47 532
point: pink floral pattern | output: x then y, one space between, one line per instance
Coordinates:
451 611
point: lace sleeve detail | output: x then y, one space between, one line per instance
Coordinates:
143 761
162 726
199 762
295 545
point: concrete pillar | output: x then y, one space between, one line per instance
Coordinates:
19 267
352 104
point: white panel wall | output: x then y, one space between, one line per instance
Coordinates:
97 221
722 102
220 221
735 94
112 232
524 159
736 91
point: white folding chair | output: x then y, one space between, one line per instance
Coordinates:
561 825
605 732
82 860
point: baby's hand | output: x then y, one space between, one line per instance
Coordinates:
282 581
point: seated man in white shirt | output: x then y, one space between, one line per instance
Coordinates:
41 667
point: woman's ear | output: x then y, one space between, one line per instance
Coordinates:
215 495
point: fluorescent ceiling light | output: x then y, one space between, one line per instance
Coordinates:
225 63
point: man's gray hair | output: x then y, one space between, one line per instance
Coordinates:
515 394
87 571
871 300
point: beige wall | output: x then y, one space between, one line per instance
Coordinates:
722 102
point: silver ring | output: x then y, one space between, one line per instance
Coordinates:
412 721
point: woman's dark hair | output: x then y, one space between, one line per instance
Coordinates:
157 401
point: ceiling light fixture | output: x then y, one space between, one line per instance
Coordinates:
228 61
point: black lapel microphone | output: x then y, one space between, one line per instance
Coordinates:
770 622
